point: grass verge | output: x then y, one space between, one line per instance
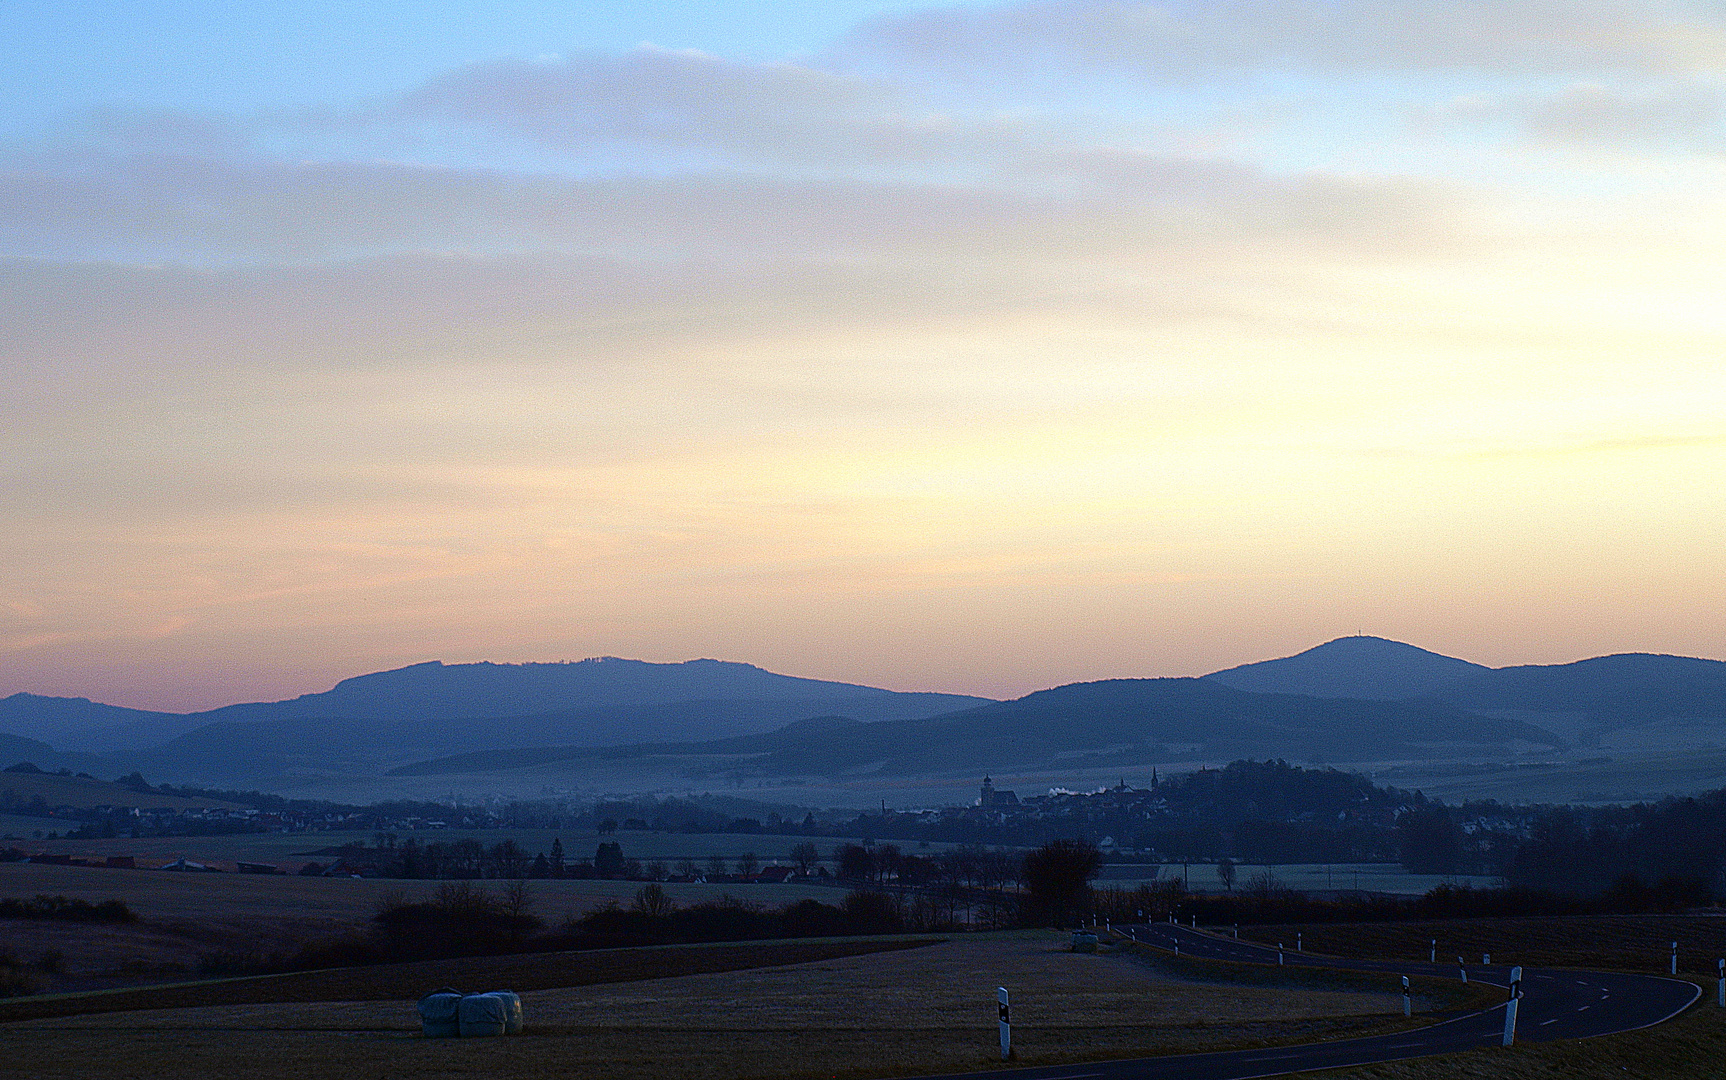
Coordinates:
1690 1047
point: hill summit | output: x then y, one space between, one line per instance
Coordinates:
1367 668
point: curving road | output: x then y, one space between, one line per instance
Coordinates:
1555 1005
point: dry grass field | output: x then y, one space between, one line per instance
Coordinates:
183 917
906 1012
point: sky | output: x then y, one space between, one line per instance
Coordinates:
977 348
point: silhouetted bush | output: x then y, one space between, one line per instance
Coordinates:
60 909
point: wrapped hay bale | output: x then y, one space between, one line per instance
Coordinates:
439 1013
512 1022
484 1014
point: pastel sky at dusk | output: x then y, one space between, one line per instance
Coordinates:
975 348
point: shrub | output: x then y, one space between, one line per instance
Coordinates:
61 909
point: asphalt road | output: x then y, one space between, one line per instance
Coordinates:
1554 1005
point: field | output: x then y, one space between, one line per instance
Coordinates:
918 1010
184 917
81 791
1641 943
15 827
1307 877
292 850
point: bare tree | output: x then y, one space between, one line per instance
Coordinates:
1226 873
650 900
747 864
806 855
517 898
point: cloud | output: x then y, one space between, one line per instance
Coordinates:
1687 114
1186 39
653 97
1036 201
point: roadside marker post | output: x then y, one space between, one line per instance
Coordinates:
1485 959
1006 1022
1279 952
1723 984
1510 1006
1434 958
1237 930
1674 958
1298 946
1407 1002
1464 968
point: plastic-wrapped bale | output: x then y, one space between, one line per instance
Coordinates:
484 1014
512 1021
439 1014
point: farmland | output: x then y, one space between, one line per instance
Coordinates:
292 850
887 1013
186 917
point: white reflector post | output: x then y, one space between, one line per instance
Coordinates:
1510 1006
1407 1002
1006 1022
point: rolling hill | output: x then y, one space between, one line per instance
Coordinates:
442 708
1121 721
1370 668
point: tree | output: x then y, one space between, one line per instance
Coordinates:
806 855
747 864
716 866
855 861
650 900
557 857
1057 880
1226 873
1431 841
608 860
517 899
